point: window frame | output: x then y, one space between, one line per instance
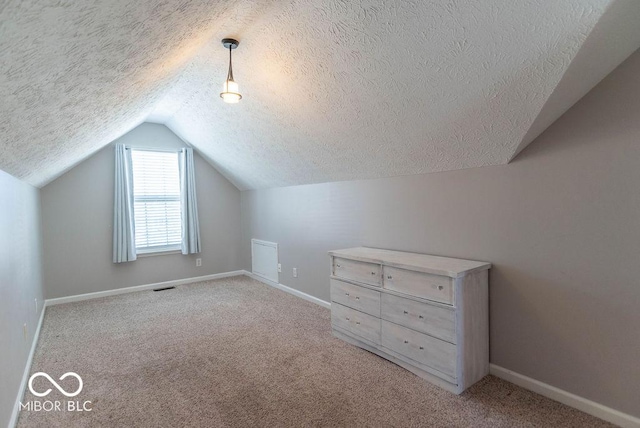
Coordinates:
158 250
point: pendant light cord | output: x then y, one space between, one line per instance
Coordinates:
230 73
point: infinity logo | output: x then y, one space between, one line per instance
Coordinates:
53 382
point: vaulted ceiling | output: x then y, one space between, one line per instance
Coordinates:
333 90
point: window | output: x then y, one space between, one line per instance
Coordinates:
156 195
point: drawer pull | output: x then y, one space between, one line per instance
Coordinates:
346 294
422 347
358 322
357 298
348 319
406 341
406 312
440 287
421 317
389 277
373 273
338 265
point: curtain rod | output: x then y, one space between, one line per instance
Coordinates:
149 149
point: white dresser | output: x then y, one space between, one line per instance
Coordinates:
425 313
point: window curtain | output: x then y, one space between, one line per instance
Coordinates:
189 203
124 246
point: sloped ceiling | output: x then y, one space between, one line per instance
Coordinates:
612 40
333 90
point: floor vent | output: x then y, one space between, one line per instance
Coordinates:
165 288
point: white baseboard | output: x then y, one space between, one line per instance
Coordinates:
591 407
25 375
289 290
98 294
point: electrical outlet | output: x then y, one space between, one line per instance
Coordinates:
198 262
36 305
295 272
25 331
279 267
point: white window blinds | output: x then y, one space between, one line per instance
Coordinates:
156 194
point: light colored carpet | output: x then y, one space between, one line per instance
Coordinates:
237 353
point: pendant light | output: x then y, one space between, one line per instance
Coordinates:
230 92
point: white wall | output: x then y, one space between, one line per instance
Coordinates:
20 283
77 210
561 225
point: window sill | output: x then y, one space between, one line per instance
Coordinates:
163 252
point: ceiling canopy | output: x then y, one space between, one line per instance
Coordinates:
332 90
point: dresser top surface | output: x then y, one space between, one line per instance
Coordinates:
436 265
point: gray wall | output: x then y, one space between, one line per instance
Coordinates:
561 224
20 283
77 214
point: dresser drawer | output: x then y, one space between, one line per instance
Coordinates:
433 320
419 284
419 347
369 273
355 322
356 297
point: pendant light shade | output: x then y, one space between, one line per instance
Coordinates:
230 92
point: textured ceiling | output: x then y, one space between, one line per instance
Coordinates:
75 75
333 90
